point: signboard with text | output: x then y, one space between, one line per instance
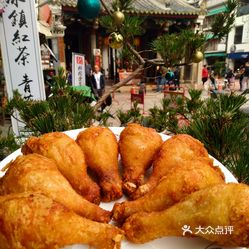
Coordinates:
97 57
21 51
78 70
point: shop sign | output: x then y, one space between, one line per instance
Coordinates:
97 57
78 70
21 51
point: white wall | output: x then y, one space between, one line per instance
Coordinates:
214 3
244 46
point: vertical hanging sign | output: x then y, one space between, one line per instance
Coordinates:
21 51
78 70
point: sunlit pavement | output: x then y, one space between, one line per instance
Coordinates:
122 101
122 98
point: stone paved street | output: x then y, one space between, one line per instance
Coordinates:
122 98
122 101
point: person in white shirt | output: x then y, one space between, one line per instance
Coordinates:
98 82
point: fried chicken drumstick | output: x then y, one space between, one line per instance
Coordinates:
174 187
70 161
31 220
100 147
172 153
224 205
138 146
37 173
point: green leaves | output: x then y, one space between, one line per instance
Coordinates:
66 109
8 144
122 5
173 48
131 116
223 22
224 130
131 27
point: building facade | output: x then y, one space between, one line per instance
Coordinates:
232 51
215 50
160 16
238 38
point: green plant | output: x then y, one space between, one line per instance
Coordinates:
8 144
123 5
179 46
66 109
104 117
223 22
224 130
59 82
126 57
131 116
162 117
194 104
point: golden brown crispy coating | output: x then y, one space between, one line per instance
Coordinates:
137 145
34 172
31 220
179 183
100 147
224 205
70 161
172 153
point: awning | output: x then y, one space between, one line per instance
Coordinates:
217 11
239 55
209 36
44 28
217 54
85 91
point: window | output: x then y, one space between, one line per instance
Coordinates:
238 35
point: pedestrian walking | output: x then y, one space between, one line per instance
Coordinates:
159 76
88 73
177 78
204 74
170 79
241 75
230 77
212 79
245 77
97 82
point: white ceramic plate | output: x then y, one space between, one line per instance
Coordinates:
164 243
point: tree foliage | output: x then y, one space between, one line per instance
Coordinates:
224 130
122 5
8 144
223 22
66 109
175 47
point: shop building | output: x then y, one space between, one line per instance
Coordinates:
215 49
238 39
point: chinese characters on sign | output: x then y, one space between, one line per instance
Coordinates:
220 230
21 50
78 70
97 57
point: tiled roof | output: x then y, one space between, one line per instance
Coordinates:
158 7
152 7
71 3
